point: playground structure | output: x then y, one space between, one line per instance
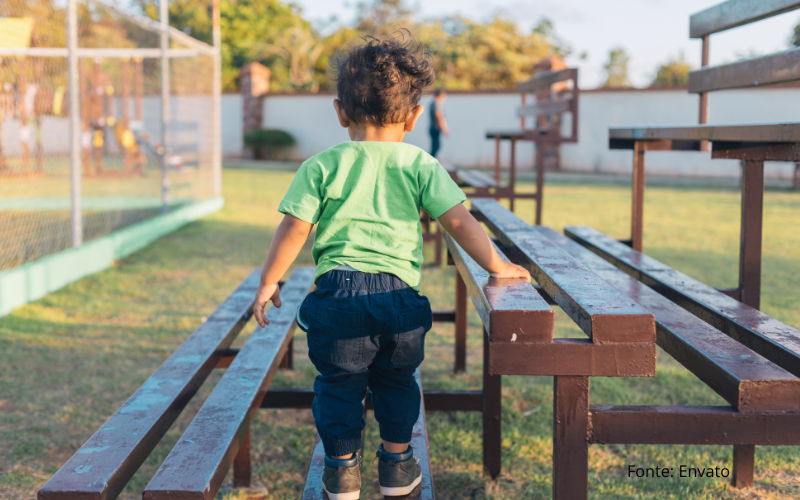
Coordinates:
106 120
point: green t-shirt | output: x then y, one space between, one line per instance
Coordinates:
366 198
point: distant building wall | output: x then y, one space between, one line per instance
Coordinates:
311 119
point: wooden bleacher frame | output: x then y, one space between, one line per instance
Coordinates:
752 144
554 95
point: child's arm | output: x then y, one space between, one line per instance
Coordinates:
292 233
468 233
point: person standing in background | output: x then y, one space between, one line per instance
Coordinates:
438 124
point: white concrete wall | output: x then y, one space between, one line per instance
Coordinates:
232 117
310 118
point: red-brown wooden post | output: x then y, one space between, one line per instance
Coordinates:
744 464
751 232
287 363
570 445
637 202
497 141
540 156
512 173
242 469
461 324
492 415
704 103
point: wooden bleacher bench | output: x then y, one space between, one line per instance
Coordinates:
519 333
752 144
218 438
763 393
776 341
197 465
556 92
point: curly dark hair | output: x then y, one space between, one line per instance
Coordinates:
380 80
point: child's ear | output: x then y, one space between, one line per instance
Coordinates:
411 121
344 121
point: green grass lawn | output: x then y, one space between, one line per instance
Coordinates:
71 359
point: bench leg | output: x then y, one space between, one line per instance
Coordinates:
751 235
570 445
744 465
241 464
492 413
637 203
540 158
461 324
512 174
287 363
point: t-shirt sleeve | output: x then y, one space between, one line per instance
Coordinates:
438 192
304 197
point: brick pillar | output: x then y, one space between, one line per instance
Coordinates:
253 84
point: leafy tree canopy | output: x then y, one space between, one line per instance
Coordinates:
617 68
673 72
467 54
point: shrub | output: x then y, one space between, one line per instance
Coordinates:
266 143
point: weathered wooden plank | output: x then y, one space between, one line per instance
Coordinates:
197 465
505 134
562 105
710 425
573 357
748 381
511 309
546 79
770 132
476 179
776 341
754 72
600 310
105 463
419 442
735 13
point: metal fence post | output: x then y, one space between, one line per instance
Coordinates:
76 217
163 17
216 151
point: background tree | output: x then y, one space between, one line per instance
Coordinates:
617 68
467 54
794 38
673 72
266 31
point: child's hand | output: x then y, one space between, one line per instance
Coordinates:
265 294
512 271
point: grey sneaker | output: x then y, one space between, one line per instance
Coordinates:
342 478
398 473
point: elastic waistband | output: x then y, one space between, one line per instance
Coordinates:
356 280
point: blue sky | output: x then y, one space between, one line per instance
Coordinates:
651 31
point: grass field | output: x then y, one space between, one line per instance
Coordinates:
71 359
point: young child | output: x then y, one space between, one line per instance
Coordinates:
366 322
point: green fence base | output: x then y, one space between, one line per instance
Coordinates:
33 280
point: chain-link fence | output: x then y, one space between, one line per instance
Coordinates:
146 142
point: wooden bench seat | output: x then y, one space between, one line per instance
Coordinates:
776 341
601 311
768 132
197 465
748 381
106 462
419 442
476 179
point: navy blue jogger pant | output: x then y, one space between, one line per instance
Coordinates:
365 330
